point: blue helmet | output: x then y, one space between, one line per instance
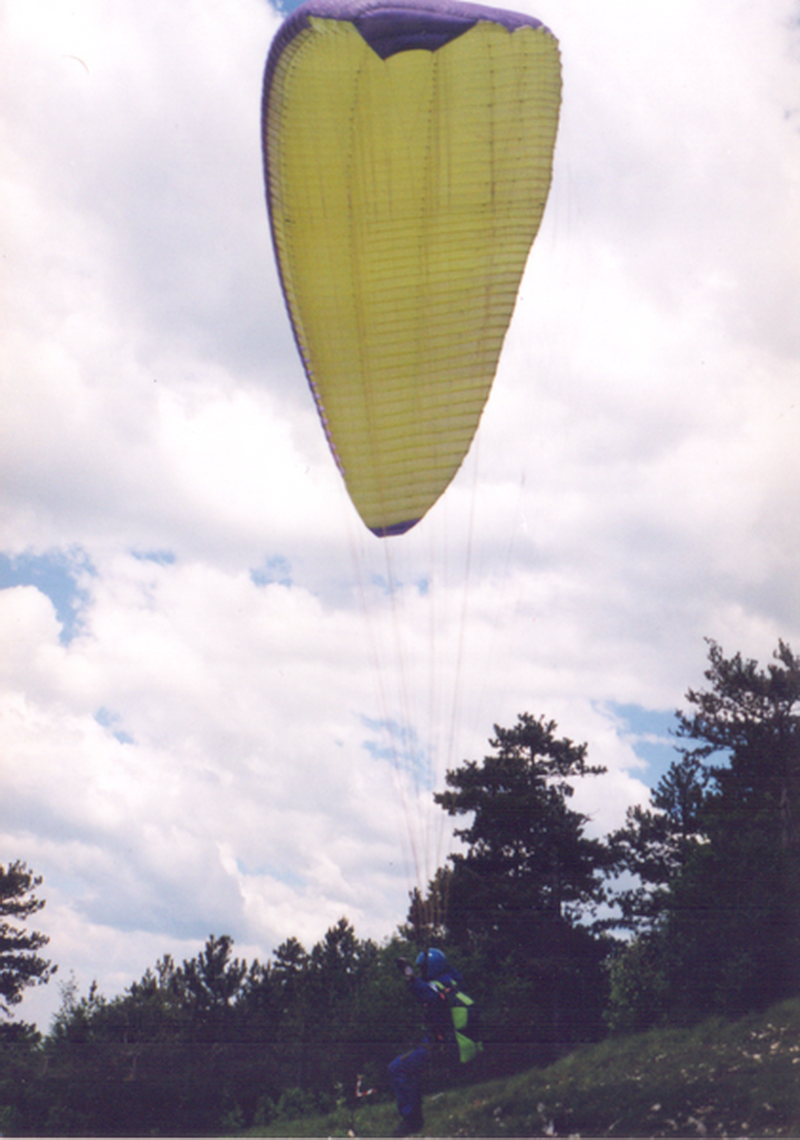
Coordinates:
431 964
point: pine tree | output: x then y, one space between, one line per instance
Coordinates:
527 857
521 897
717 909
735 917
20 964
656 843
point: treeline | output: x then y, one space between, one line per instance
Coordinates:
691 909
214 1043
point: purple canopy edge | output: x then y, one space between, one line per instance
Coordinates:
391 27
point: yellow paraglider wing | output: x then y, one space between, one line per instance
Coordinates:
408 155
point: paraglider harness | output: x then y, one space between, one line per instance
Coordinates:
465 1020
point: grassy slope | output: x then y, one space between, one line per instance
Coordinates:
721 1078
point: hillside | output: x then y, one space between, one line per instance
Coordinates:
720 1079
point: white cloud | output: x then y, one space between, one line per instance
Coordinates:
210 752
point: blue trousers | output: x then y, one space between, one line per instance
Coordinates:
406 1075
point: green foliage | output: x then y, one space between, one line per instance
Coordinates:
20 964
20 1062
657 843
295 1103
748 729
215 1043
528 863
637 986
20 967
527 854
717 905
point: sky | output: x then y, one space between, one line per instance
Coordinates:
226 705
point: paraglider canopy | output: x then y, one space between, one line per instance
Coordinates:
408 153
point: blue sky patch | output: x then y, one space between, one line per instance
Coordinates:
56 575
400 744
650 732
107 719
422 585
160 557
275 569
380 582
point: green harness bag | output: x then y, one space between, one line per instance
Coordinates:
464 1013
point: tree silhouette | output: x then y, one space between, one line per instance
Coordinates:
20 964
